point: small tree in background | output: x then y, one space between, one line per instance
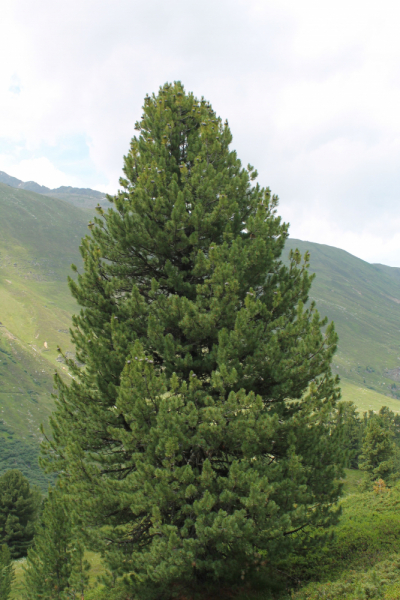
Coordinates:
390 421
352 428
55 567
6 572
19 508
199 431
379 451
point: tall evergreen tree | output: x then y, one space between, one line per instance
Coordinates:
19 507
6 572
197 433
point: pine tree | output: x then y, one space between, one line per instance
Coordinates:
199 430
19 507
352 428
391 421
78 581
378 454
55 567
6 572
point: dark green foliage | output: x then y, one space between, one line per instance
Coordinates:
6 572
55 567
389 420
78 581
203 428
19 506
372 441
381 581
378 452
352 432
17 454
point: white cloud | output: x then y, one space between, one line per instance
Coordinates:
311 90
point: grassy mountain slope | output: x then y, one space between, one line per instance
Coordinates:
81 197
39 239
25 403
364 302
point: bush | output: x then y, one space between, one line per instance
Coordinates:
381 581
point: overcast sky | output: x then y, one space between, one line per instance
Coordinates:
311 90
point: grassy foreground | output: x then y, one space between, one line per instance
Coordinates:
363 559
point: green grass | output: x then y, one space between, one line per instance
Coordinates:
25 403
84 201
380 581
362 560
352 481
366 399
83 198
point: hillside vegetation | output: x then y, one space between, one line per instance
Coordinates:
39 239
364 302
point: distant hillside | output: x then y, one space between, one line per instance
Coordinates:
39 239
364 302
81 197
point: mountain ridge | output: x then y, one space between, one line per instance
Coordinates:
81 197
